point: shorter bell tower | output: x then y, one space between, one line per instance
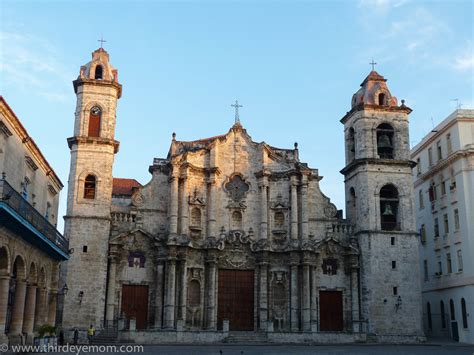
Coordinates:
379 203
87 222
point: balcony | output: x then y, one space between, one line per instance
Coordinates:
19 216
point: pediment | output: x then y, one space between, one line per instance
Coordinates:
124 238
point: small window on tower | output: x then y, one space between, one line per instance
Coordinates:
385 134
98 72
94 121
382 100
89 187
352 147
389 208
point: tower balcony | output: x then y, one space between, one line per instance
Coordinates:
18 216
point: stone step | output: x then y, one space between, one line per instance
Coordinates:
246 337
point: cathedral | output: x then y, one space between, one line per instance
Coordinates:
232 236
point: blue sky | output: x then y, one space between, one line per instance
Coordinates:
294 65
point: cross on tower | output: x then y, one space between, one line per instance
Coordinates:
101 40
373 64
236 105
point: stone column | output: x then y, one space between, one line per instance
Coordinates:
304 208
264 208
314 297
4 290
170 292
355 299
174 205
16 324
110 308
306 297
211 205
294 293
183 290
294 207
183 221
29 314
211 296
41 307
263 295
159 294
53 294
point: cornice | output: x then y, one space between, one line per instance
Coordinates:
364 107
79 82
442 164
93 140
375 161
29 142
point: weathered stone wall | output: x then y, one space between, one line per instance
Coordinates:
390 288
87 223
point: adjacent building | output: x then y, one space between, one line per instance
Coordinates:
235 234
31 248
444 191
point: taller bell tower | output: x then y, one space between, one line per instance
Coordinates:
87 223
379 203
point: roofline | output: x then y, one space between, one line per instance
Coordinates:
27 139
456 116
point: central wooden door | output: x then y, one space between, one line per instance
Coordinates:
236 299
330 311
135 303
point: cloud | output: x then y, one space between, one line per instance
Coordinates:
464 62
32 64
394 36
381 6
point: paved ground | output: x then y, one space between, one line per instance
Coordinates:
438 349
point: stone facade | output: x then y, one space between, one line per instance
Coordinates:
31 248
88 217
379 199
232 233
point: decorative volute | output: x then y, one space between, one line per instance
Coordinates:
374 91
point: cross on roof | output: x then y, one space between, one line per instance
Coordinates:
236 105
101 40
373 64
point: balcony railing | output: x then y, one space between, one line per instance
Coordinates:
10 197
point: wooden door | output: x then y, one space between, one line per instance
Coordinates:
330 311
236 299
135 303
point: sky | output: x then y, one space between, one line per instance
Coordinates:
293 65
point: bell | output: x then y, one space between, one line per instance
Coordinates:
388 210
384 141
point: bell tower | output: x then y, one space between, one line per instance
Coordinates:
379 203
87 222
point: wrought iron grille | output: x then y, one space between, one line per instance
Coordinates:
10 197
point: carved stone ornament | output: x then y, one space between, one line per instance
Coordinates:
237 188
330 211
138 199
236 259
196 199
